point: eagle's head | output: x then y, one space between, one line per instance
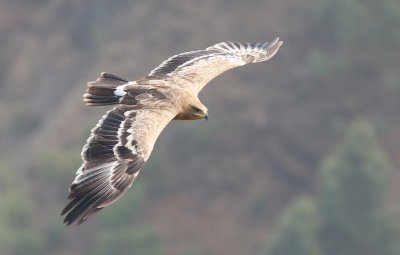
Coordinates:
199 111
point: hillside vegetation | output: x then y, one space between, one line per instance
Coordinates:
273 162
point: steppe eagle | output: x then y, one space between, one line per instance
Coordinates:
123 139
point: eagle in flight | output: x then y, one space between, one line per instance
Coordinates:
122 141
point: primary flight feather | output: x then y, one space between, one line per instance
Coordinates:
123 139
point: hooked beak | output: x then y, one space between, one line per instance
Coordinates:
206 116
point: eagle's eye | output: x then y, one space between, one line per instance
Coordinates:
196 110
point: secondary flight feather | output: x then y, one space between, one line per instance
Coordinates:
122 141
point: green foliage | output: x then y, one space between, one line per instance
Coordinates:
353 36
353 182
123 212
23 124
298 230
6 179
57 166
328 65
260 204
349 219
54 232
26 242
155 177
198 136
17 235
339 62
351 22
25 228
118 231
127 240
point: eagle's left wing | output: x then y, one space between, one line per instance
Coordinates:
194 69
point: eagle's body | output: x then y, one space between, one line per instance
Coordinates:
123 139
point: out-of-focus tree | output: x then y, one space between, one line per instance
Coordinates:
16 225
348 218
354 179
352 23
118 230
298 230
121 233
273 122
351 38
127 240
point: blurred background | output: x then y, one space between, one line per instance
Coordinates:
300 155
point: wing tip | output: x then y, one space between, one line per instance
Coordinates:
270 48
80 212
273 46
277 42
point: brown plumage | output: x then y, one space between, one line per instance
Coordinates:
123 139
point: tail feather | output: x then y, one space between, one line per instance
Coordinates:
104 90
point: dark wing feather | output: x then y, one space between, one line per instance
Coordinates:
170 65
94 185
114 154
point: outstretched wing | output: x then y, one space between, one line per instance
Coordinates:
195 69
115 152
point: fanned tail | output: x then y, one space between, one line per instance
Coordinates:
106 90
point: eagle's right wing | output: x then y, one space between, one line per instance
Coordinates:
194 69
